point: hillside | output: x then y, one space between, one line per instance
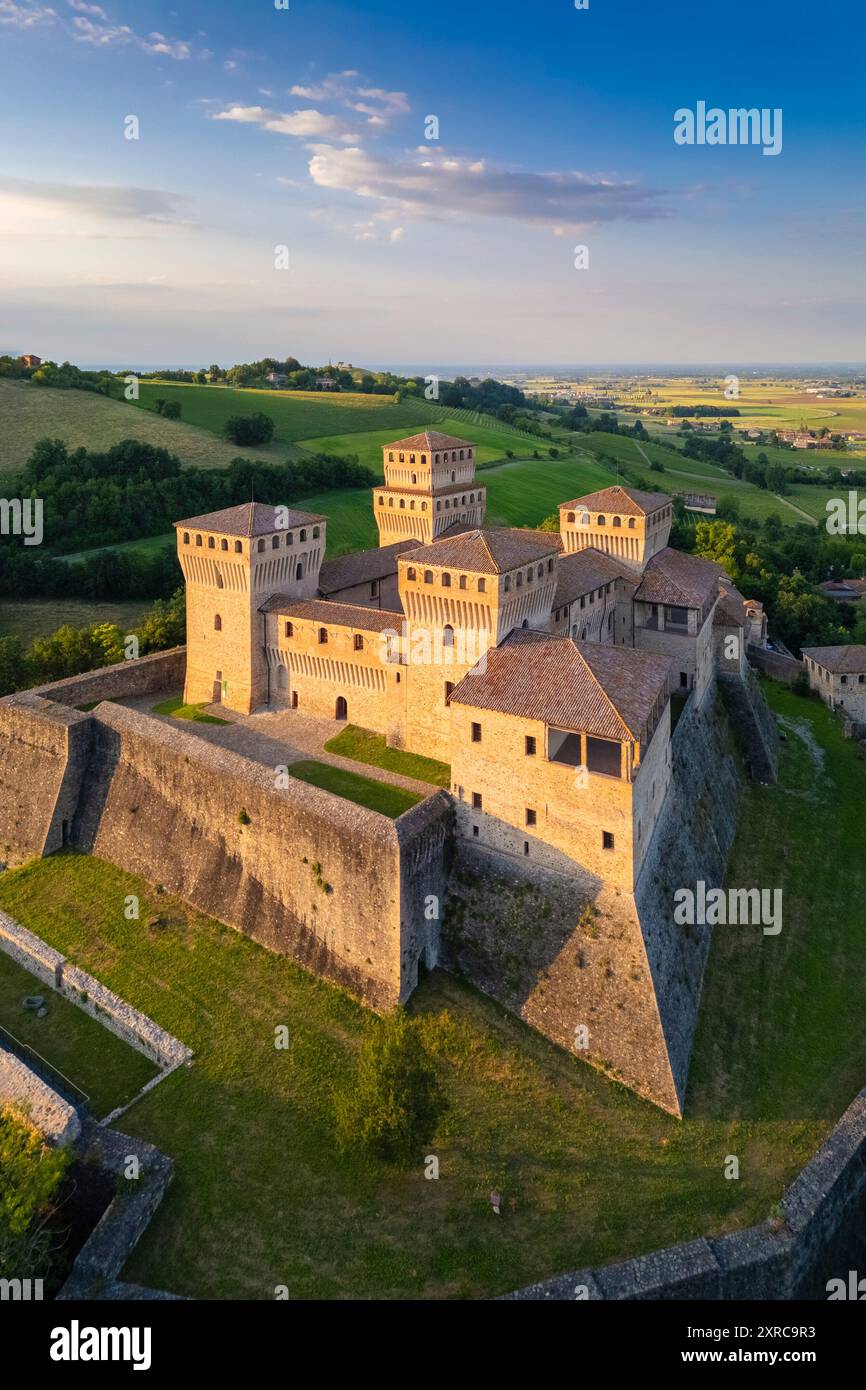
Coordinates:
29 413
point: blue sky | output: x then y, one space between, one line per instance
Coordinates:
305 128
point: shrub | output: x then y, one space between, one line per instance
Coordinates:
393 1102
249 429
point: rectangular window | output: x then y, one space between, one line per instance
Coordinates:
476 733
606 839
530 746
525 846
289 630
449 686
358 642
476 801
530 816
684 678
475 832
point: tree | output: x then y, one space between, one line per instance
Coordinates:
14 666
393 1103
249 429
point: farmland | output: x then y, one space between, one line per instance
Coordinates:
36 617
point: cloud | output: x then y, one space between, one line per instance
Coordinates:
25 15
308 124
376 103
437 185
26 203
102 33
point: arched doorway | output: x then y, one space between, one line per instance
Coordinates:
342 710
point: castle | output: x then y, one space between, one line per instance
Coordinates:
577 684
539 666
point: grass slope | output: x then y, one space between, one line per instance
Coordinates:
36 617
30 413
364 791
367 747
101 1065
297 415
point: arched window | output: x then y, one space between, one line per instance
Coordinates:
410 573
601 521
570 516
616 521
549 566
507 584
584 518
446 581
198 540
631 523
403 503
290 540
186 537
463 581
414 477
390 501
275 543
381 501
390 457
211 543
428 576
224 545
423 506
453 477
315 533
261 545
448 636
520 581
541 571
299 572
303 535
238 547
482 586
217 623
219 580
530 575
290 630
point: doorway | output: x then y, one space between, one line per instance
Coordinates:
342 711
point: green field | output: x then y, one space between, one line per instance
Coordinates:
364 791
84 418
105 1068
297 415
35 617
262 1195
491 442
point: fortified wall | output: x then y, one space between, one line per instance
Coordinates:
606 974
340 889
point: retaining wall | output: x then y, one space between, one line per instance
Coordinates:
145 675
45 1108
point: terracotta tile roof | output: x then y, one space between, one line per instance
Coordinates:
431 441
839 661
585 570
363 567
488 550
625 500
351 615
250 519
684 581
583 687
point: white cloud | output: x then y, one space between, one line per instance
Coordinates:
441 186
83 8
308 124
376 103
28 207
91 24
26 15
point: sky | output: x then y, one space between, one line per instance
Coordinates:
392 183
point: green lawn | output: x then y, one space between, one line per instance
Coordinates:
376 796
490 437
366 747
175 707
103 1066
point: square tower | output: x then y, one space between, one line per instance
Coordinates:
631 526
429 487
233 561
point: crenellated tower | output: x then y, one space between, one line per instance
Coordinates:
429 487
232 562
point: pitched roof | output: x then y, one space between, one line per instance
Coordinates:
584 687
839 661
351 615
362 567
487 550
625 500
431 440
585 570
251 519
673 577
